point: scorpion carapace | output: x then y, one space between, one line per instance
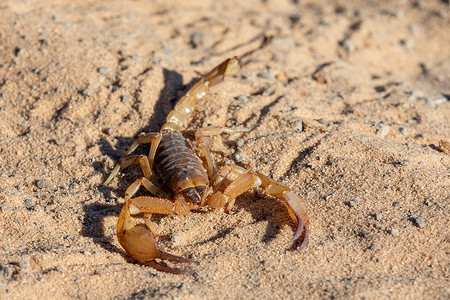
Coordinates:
172 165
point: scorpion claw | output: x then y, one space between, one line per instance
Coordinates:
301 236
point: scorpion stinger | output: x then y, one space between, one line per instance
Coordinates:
172 167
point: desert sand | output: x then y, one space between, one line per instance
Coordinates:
347 103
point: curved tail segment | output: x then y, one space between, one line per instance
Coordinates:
176 120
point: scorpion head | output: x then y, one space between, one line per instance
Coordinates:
194 194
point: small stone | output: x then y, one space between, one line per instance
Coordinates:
397 204
5 270
87 92
196 39
111 199
44 42
382 129
435 101
240 142
125 98
28 203
414 29
416 95
341 228
266 75
378 216
24 264
18 51
174 237
419 222
403 131
136 58
41 183
107 131
395 232
243 98
373 246
103 70
69 237
353 202
239 158
407 43
116 110
348 46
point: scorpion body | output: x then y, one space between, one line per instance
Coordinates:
171 165
177 166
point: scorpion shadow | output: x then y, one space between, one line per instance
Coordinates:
94 214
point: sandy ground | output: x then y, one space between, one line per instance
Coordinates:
348 104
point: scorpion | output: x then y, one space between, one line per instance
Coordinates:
172 168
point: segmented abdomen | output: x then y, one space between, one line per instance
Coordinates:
175 161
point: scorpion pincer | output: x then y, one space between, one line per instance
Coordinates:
172 168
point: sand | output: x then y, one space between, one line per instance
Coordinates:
348 104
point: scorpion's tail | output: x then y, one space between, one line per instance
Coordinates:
176 119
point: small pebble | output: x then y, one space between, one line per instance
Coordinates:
24 264
111 199
125 98
44 42
174 237
103 70
348 46
239 158
382 129
107 131
416 95
87 92
18 51
353 202
397 204
373 246
136 58
403 131
266 75
378 216
243 98
196 39
28 202
435 101
394 232
5 270
419 222
41 183
240 142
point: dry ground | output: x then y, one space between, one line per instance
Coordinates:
348 104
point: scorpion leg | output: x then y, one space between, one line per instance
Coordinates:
204 142
154 138
139 240
248 180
